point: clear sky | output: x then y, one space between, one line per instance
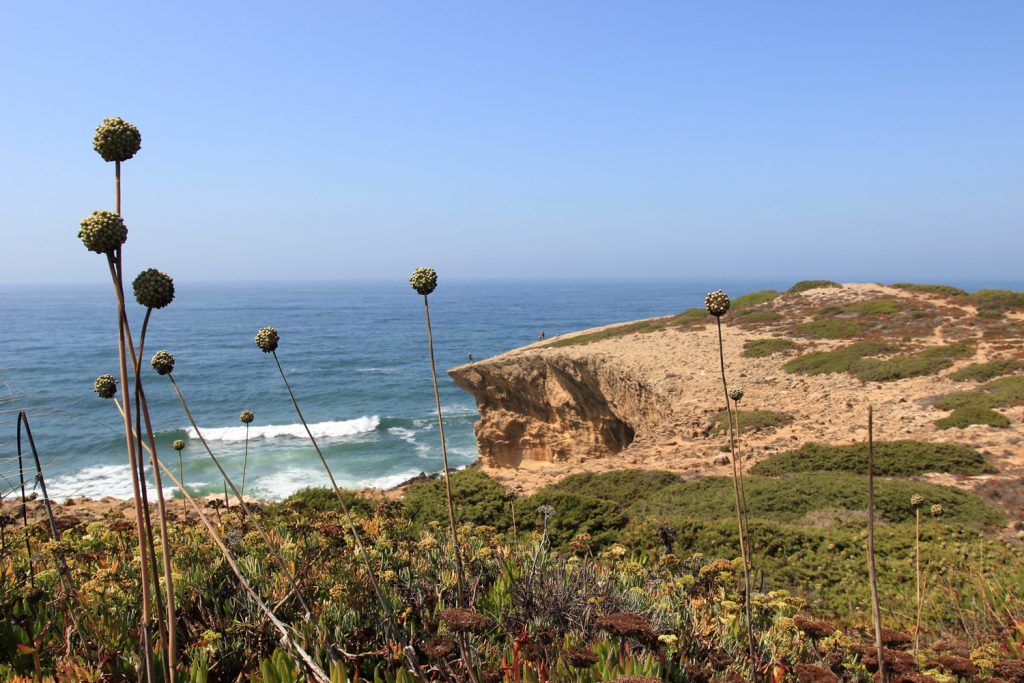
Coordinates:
284 140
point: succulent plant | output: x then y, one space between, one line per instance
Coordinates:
178 445
246 417
153 288
102 232
717 303
105 386
163 362
267 339
916 501
116 140
736 394
424 280
937 510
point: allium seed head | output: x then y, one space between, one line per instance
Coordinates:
736 394
116 140
267 339
163 362
246 417
424 280
105 386
916 501
178 445
937 510
153 288
102 232
717 303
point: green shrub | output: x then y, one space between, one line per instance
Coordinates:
874 307
574 514
829 329
619 486
805 285
318 499
844 359
753 317
478 498
944 290
965 416
754 299
750 420
996 300
981 372
790 498
892 459
761 348
1002 392
926 362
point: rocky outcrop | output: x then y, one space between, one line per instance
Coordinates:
552 406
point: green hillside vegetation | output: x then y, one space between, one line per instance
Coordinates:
805 285
981 372
750 420
976 406
892 458
762 348
832 328
856 359
942 290
874 307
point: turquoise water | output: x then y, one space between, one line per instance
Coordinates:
355 353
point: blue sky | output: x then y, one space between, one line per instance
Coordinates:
850 140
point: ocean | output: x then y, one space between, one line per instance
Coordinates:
355 353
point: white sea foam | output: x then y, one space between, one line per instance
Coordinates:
409 436
321 430
98 481
285 482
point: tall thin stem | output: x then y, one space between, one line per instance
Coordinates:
739 507
129 432
245 460
142 408
245 507
917 572
876 612
444 457
117 187
396 634
743 495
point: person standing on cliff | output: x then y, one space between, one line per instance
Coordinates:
540 337
469 357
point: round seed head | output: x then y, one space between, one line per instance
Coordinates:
178 445
937 510
102 232
717 303
246 417
105 386
424 280
736 394
153 288
916 501
267 339
163 362
116 140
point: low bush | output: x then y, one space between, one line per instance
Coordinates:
942 290
755 317
892 459
996 300
805 285
750 420
790 498
754 299
480 499
844 359
874 307
982 372
762 348
965 416
829 329
926 362
620 486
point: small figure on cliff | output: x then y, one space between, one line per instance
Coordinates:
469 357
540 337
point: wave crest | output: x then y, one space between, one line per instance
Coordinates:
322 430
